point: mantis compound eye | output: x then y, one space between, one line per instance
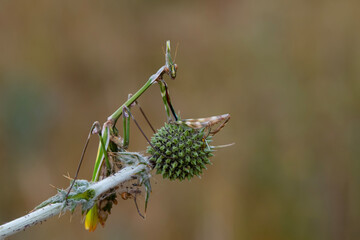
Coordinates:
173 71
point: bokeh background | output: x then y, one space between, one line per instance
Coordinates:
287 71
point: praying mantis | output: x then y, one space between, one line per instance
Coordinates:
112 151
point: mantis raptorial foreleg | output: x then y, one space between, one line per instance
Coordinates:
167 102
126 121
126 125
171 68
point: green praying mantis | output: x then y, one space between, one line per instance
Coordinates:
112 152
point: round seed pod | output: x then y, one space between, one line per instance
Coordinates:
180 151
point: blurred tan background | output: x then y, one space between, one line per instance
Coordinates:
287 72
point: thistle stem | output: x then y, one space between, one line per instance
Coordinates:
53 209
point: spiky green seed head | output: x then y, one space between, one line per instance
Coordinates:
180 151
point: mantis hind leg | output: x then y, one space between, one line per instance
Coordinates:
207 123
167 101
95 129
225 119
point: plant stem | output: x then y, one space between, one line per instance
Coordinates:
50 210
30 219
